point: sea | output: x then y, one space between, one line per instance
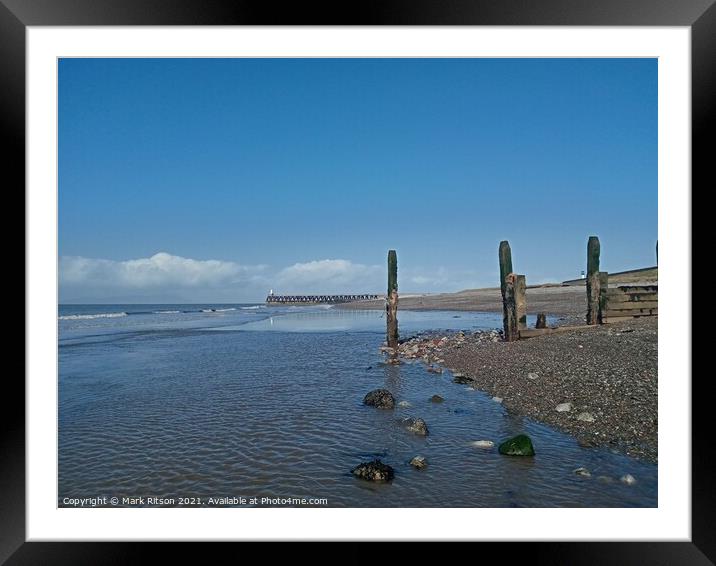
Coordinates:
204 405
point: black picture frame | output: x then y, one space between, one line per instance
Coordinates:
16 15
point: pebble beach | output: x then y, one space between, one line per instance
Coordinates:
597 383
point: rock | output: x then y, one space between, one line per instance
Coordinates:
585 417
419 462
460 378
532 375
416 426
436 399
483 444
583 472
628 479
404 404
497 399
563 407
520 445
432 369
380 398
373 471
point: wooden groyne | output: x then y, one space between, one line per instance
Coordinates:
277 300
604 303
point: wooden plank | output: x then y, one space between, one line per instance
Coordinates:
627 307
623 298
635 289
621 318
616 305
634 312
622 293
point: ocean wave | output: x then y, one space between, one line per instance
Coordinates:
89 316
224 310
167 312
253 308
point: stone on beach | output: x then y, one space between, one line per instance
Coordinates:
520 445
585 417
380 398
532 375
460 378
419 462
373 471
497 399
416 426
563 407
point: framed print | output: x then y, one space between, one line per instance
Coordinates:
215 199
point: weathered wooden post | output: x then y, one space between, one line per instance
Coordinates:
603 296
593 250
507 288
391 302
520 301
541 320
509 305
505 264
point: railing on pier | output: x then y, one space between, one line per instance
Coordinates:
318 299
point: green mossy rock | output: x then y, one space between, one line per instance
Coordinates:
520 445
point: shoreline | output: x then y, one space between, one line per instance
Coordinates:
606 373
598 384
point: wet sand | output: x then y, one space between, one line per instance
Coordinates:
567 302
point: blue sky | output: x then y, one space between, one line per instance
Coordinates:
217 179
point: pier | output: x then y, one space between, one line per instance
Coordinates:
317 299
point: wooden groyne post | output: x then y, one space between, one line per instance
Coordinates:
509 289
391 302
505 264
509 305
597 283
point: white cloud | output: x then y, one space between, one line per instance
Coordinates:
169 278
162 269
329 276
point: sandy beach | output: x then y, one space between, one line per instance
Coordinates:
596 383
567 302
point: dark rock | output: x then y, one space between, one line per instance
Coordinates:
416 426
520 445
460 378
373 471
380 398
437 399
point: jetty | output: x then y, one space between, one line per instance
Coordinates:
276 300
